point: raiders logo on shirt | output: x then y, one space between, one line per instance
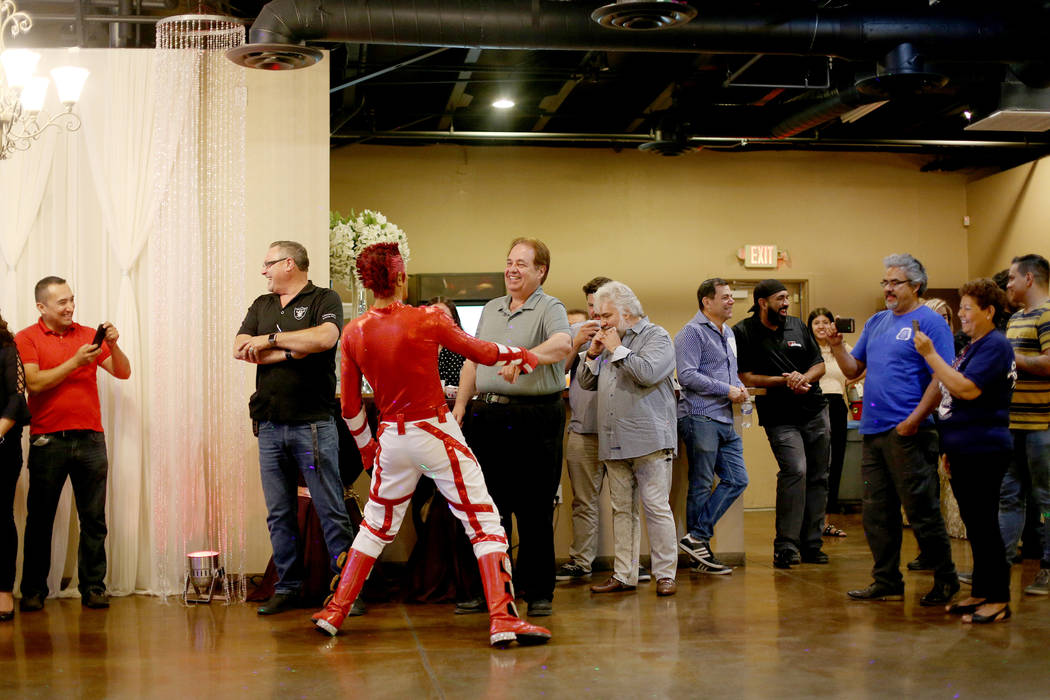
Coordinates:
300 312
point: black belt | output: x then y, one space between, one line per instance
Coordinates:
505 399
69 433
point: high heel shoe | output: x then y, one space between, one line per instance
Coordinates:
964 608
999 616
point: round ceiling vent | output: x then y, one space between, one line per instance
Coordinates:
274 56
644 15
662 146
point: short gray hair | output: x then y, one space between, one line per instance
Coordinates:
295 251
621 296
913 269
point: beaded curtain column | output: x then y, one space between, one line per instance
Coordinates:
197 256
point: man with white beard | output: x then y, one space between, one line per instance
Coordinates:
630 363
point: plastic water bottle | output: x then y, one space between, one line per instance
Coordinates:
746 409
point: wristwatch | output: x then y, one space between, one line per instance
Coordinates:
272 338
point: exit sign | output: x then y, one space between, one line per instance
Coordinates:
760 256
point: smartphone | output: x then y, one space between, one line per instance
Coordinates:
100 335
844 325
914 327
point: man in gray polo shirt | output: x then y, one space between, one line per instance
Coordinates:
515 429
630 363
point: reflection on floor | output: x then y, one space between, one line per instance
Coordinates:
761 632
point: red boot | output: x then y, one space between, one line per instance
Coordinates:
504 624
355 571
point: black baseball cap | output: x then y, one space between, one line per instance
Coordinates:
764 289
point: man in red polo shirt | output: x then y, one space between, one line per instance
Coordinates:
66 439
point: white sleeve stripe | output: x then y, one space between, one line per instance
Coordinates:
357 421
362 433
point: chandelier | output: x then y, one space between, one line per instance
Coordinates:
22 94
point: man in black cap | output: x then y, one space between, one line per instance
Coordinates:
778 353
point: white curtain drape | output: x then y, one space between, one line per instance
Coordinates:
198 478
125 133
100 208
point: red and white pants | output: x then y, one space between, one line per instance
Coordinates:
433 447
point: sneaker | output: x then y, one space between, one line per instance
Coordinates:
571 572
941 593
878 591
1041 585
701 552
643 575
966 577
713 567
815 556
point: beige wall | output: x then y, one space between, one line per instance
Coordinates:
1009 216
664 224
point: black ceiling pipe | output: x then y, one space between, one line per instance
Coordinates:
540 24
832 104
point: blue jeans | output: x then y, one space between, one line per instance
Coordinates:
80 456
1029 471
711 448
285 451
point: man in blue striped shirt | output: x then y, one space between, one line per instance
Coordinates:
705 353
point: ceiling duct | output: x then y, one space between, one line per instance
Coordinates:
831 105
671 138
536 24
1020 108
644 15
901 72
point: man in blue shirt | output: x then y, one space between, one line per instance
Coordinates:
900 443
705 354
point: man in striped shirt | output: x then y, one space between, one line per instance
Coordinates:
705 354
1029 333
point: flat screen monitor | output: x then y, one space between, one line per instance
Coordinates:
469 315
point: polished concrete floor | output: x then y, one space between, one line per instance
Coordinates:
758 633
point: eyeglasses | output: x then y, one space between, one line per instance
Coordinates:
892 284
267 264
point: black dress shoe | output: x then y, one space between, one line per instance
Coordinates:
279 603
919 564
469 607
95 599
816 556
31 602
784 558
878 591
941 593
7 616
540 608
357 609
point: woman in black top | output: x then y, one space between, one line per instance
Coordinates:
13 416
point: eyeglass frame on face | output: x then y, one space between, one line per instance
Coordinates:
267 264
893 284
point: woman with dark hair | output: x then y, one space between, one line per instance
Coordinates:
449 363
14 415
833 385
973 422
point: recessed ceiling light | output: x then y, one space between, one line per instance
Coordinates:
503 103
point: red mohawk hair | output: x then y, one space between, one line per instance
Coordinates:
378 266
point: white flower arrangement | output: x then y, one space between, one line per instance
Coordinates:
348 237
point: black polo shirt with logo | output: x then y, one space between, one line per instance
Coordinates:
295 391
790 348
